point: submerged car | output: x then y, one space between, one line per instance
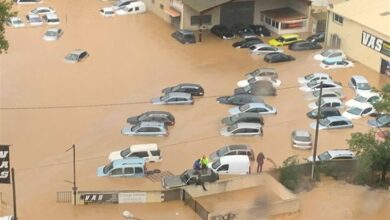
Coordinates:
359 111
222 32
324 113
330 54
262 72
259 108
284 39
15 22
327 85
277 57
336 64
239 99
52 34
262 49
107 12
128 167
363 98
246 32
34 20
42 10
260 30
259 88
332 122
337 154
146 129
153 116
51 19
275 82
325 94
318 37
148 152
248 117
76 56
246 43
313 77
184 36
173 98
235 149
380 122
304 45
301 139
242 129
360 84
191 88
189 177
328 102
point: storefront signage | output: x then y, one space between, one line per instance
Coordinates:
90 198
4 164
132 197
376 43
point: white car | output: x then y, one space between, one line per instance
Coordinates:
107 12
327 85
332 122
242 129
52 34
301 139
336 64
275 82
359 84
314 95
371 98
262 49
327 103
42 10
330 53
34 20
313 77
359 111
334 154
51 19
254 107
132 8
15 22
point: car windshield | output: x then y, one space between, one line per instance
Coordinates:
125 152
185 177
360 98
222 151
232 128
216 164
324 122
108 167
51 33
324 156
245 107
72 56
34 19
309 77
363 86
326 53
135 128
354 111
302 138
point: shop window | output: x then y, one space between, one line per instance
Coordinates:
206 19
337 19
292 25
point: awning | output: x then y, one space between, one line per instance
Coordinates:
172 12
284 14
203 5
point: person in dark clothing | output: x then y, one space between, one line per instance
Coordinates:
197 165
200 182
260 162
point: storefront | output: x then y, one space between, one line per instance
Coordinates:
285 20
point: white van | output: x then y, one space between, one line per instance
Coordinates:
149 152
132 8
232 164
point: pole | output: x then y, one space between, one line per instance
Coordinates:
316 135
200 26
14 193
74 188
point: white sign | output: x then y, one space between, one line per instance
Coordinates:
132 197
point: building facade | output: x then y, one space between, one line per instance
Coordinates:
362 32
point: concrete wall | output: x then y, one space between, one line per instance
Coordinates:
127 196
156 9
350 34
188 12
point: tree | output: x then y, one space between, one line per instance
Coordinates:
383 105
373 154
289 173
5 13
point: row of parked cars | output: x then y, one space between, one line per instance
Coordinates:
36 17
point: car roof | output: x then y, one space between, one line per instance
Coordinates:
53 29
327 81
337 118
42 7
127 161
331 99
188 84
179 94
327 109
302 133
151 124
247 115
136 147
319 74
262 45
256 104
334 50
289 35
362 105
340 152
248 125
33 16
51 15
368 94
238 147
78 51
227 158
359 79
157 113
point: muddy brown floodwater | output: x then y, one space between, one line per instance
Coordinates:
48 105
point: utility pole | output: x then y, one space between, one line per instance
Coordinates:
316 135
74 188
14 193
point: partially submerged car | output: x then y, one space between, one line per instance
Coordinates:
189 177
51 19
42 10
128 167
153 116
239 99
315 94
107 12
184 36
15 22
382 121
278 57
146 129
327 85
330 53
359 111
262 72
173 98
366 97
301 139
259 108
336 64
327 102
246 43
222 32
304 45
248 117
53 34
191 88
360 84
76 56
260 30
262 49
259 88
34 20
285 39
148 152
317 76
337 154
318 37
324 113
333 122
235 149
242 129
275 82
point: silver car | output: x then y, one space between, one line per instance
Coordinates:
52 34
333 122
242 129
262 49
301 139
235 149
269 72
76 56
173 98
146 129
259 108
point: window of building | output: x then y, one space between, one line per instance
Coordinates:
267 20
206 19
337 18
275 24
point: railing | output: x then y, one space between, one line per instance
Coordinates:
64 197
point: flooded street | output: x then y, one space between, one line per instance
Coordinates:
48 105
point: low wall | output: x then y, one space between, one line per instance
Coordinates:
118 197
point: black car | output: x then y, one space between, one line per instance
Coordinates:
304 45
153 116
324 112
259 88
319 37
237 27
260 30
277 57
239 99
248 117
184 36
222 31
246 43
246 32
193 89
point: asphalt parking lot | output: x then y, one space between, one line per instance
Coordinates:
48 105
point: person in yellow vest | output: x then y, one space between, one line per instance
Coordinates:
204 161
